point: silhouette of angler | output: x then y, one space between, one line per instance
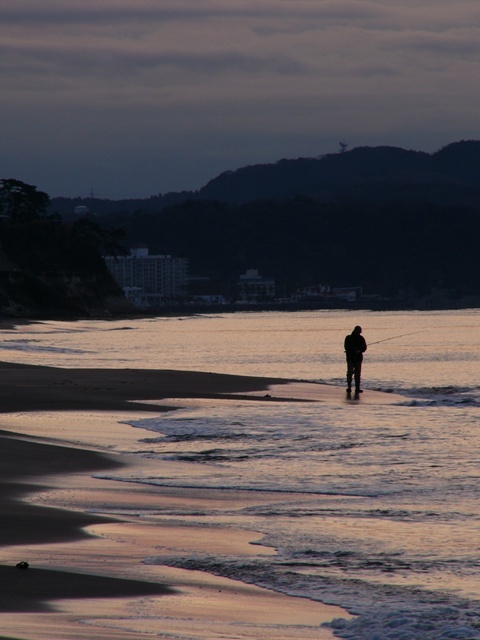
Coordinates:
355 347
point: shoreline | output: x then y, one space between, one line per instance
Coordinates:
42 388
186 309
58 426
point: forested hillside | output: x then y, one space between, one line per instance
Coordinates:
398 223
366 174
390 249
401 224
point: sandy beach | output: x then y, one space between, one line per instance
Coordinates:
86 570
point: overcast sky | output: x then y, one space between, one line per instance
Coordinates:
131 98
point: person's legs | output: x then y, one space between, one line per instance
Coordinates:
350 370
357 374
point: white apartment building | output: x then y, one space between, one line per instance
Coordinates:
148 280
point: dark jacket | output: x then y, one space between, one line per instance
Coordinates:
355 346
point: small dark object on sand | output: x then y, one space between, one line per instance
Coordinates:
22 565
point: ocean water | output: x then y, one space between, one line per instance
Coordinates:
375 506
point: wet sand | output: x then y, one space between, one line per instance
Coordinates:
87 576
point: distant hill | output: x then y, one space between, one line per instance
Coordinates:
364 174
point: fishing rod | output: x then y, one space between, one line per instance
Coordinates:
394 337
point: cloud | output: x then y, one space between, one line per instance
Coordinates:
229 81
456 44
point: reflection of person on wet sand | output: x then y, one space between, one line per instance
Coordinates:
355 346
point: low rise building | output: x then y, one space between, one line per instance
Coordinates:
252 287
349 294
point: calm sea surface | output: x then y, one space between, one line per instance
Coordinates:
387 519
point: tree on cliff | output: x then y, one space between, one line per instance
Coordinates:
50 267
22 203
39 241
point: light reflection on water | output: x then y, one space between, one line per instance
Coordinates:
401 483
433 348
403 479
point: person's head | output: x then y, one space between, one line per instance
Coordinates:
357 330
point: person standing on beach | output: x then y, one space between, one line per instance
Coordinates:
355 347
